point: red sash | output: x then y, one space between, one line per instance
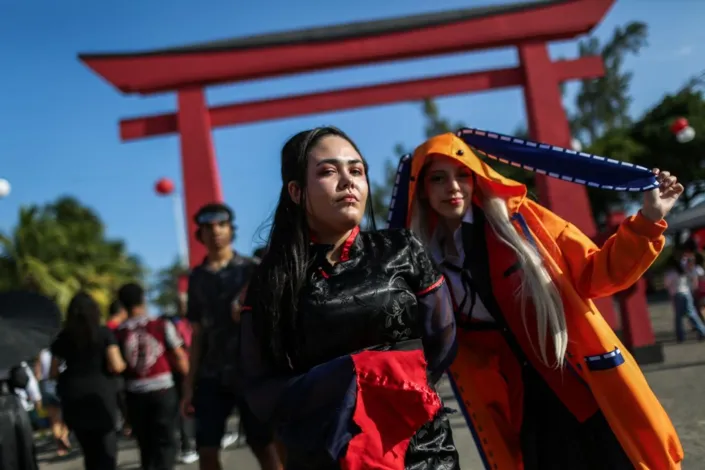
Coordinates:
393 401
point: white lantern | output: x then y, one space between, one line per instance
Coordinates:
4 188
683 131
686 135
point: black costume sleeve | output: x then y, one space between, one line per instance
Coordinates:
435 309
274 395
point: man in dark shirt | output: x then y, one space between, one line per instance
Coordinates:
211 392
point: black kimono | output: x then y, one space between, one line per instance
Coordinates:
374 333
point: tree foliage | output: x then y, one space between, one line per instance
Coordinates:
165 290
656 147
602 104
61 248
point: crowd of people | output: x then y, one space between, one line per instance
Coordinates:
146 376
330 345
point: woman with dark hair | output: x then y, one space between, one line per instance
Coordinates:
345 333
86 385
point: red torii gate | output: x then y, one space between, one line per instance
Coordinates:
528 26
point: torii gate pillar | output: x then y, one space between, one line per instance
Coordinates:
548 123
199 166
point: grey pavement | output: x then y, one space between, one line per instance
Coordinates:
679 383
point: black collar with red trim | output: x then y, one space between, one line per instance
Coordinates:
347 250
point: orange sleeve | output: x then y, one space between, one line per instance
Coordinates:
622 260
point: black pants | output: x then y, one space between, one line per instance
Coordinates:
153 419
186 426
99 448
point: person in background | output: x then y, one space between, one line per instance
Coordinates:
152 350
680 286
186 426
17 448
86 386
30 395
116 315
211 391
51 403
698 273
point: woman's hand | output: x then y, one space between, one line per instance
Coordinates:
659 201
186 405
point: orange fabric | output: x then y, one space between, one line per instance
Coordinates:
581 271
496 407
393 401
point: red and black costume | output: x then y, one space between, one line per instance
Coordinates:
372 335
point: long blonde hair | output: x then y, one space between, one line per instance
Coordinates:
536 282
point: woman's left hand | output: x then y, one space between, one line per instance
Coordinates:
659 201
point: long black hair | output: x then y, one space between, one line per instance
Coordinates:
278 279
83 320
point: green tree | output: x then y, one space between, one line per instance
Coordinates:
602 117
165 289
657 147
602 104
61 248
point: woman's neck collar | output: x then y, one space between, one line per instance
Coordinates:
447 229
339 243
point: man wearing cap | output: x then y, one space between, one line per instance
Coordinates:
215 290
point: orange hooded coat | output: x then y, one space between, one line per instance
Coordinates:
606 377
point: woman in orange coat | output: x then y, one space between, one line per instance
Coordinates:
541 378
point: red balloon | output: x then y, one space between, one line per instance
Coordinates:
679 124
164 187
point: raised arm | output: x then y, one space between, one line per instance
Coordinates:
625 256
619 263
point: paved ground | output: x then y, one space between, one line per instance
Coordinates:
679 382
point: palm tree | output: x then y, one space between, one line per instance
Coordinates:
61 248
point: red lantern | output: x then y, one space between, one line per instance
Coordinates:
164 187
682 130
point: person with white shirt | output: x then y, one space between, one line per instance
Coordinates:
680 283
29 393
51 403
542 380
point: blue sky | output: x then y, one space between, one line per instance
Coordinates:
58 120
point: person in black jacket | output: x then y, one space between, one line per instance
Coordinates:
17 450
